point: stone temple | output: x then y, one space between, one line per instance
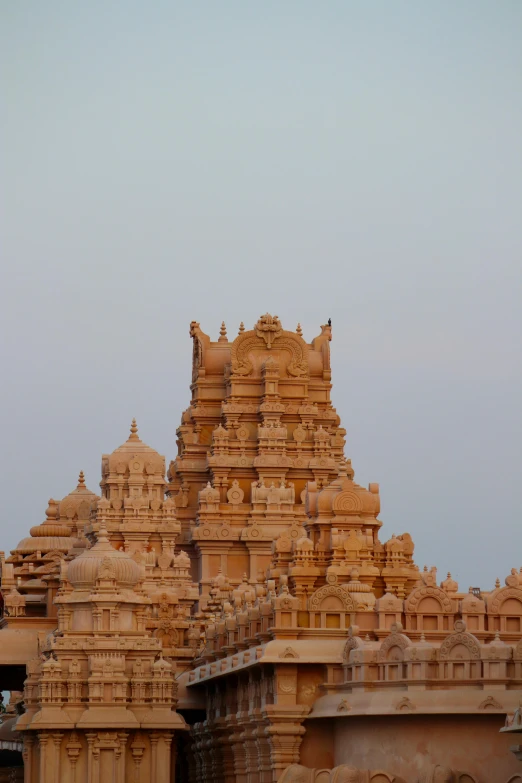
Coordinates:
238 617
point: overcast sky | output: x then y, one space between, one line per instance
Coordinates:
170 161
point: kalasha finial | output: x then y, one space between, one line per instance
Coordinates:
497 583
223 333
102 537
134 431
241 327
299 330
81 481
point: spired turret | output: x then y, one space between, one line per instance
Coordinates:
256 578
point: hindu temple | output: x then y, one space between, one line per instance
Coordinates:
238 615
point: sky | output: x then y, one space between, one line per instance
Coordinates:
175 161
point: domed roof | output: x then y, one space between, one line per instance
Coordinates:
133 456
77 503
343 497
83 571
134 444
47 536
8 732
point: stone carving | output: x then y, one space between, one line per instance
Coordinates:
235 494
110 582
460 638
317 599
268 328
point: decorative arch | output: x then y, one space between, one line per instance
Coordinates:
458 638
317 598
503 595
395 639
353 643
418 594
256 340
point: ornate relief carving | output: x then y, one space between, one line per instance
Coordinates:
269 333
417 595
332 590
502 595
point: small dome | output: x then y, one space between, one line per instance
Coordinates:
83 570
29 546
47 536
133 457
8 732
77 504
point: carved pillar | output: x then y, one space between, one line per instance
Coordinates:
196 734
238 750
92 762
73 748
263 751
28 756
252 761
57 742
120 757
43 740
167 760
225 733
154 738
285 732
137 750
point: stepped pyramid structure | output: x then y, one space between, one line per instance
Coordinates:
239 618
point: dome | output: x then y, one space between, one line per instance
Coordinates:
47 536
343 497
83 570
77 504
135 458
28 546
134 445
9 734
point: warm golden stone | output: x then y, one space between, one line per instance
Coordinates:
251 594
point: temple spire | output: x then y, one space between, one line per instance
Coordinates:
134 431
223 333
81 481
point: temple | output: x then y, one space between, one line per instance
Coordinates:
238 617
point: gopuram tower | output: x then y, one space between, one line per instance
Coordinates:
237 618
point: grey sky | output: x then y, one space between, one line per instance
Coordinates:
171 161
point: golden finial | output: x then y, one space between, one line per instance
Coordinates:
223 333
81 481
134 431
241 327
299 330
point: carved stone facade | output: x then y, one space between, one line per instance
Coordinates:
242 621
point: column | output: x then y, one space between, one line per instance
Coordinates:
43 739
120 757
28 757
91 736
57 742
153 755
285 732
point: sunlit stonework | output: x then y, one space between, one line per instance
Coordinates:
237 618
